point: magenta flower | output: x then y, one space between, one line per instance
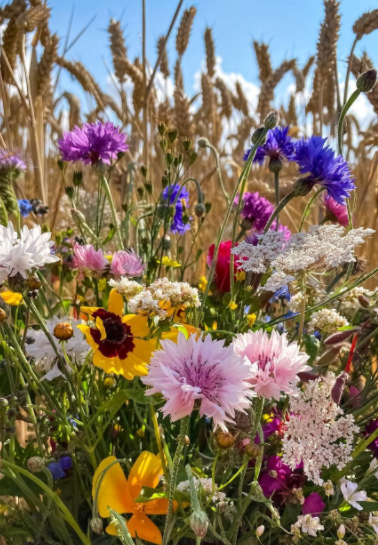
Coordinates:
93 143
274 362
10 161
88 258
335 211
255 209
200 373
127 264
275 476
313 505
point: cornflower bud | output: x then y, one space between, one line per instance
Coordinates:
271 120
199 522
199 209
366 82
203 142
96 525
256 135
33 283
35 464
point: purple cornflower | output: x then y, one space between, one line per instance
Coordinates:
169 194
25 207
371 428
56 471
93 143
256 210
278 148
10 161
318 161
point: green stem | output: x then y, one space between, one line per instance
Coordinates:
303 307
308 207
277 193
278 209
105 185
349 68
344 111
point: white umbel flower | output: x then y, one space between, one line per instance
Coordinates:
127 288
309 525
352 495
327 321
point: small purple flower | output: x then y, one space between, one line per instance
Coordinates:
371 428
25 207
169 194
93 143
313 505
319 162
279 147
256 210
127 263
56 471
275 476
10 161
66 463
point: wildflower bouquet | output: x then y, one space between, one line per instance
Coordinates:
236 408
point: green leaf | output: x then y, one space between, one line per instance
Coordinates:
9 486
312 345
110 235
139 396
149 494
369 505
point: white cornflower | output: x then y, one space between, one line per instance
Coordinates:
374 467
309 525
351 494
327 321
329 488
317 434
39 347
206 485
373 521
20 255
127 288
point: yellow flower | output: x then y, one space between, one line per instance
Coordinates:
11 298
202 283
102 284
118 341
240 276
168 262
232 305
120 494
251 319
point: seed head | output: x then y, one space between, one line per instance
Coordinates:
63 331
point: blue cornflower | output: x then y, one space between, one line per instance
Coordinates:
281 293
278 148
56 471
169 194
318 161
65 462
25 207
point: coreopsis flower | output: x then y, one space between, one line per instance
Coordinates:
275 363
93 143
351 494
336 211
39 347
200 373
11 298
117 341
317 434
127 288
256 210
113 490
370 428
319 162
11 162
25 207
171 194
327 321
309 525
279 147
87 258
222 269
127 263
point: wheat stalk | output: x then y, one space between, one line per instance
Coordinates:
184 30
210 52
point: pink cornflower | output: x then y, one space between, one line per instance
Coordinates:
127 264
200 373
335 211
88 258
275 363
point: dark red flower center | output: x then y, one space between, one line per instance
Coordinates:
119 339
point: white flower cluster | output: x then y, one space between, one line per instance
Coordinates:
327 321
206 485
162 295
316 433
127 288
21 254
349 303
323 247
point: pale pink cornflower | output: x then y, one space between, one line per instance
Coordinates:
200 373
127 264
86 257
275 363
336 211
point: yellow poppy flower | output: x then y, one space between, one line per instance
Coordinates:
120 494
118 341
11 298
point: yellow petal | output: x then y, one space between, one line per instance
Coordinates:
138 324
115 304
145 472
100 326
158 507
89 310
106 364
86 330
11 298
114 491
146 530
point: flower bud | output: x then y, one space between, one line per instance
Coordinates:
330 356
63 331
341 531
33 283
199 523
366 82
275 165
203 142
260 530
225 439
35 464
199 209
271 120
302 187
252 450
3 315
338 388
257 134
364 301
4 402
340 336
96 525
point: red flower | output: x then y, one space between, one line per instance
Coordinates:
222 269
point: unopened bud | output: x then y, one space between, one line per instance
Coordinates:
33 283
364 301
252 450
340 336
303 186
3 315
338 388
3 402
271 120
63 331
199 209
329 356
199 523
275 165
225 439
186 441
341 531
96 525
203 142
260 530
35 464
257 135
366 82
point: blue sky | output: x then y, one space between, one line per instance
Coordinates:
289 26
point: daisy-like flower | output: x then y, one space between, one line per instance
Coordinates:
318 161
200 373
39 347
336 211
87 258
93 143
256 210
118 341
352 495
113 490
275 363
10 161
278 148
182 201
309 525
127 263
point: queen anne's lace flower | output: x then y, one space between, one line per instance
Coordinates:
317 434
309 525
327 321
